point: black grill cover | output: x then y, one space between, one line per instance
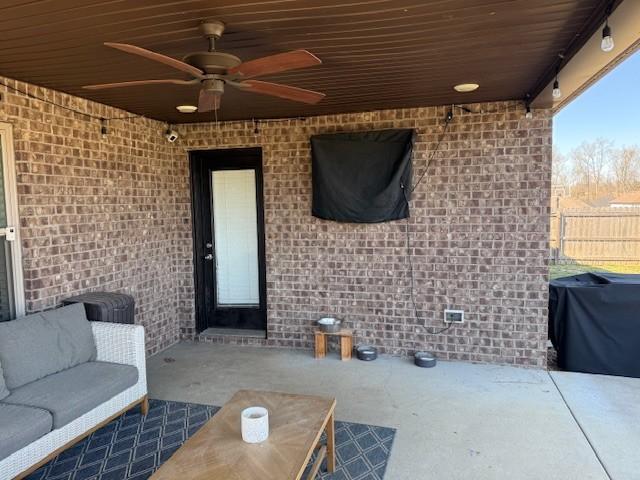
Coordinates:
357 177
594 323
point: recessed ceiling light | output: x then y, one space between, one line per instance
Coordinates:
466 87
186 108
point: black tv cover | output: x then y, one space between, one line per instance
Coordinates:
594 323
358 177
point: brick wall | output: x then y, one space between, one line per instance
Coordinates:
97 213
479 232
113 213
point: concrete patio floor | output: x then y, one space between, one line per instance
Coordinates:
608 411
455 421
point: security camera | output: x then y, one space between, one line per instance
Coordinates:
171 135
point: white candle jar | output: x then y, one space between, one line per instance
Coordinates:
254 424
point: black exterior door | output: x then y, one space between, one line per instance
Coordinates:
228 233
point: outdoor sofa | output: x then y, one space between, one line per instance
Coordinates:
61 378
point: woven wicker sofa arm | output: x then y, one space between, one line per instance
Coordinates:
121 343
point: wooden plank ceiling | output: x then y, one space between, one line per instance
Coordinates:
376 54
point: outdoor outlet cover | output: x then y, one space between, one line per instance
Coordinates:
453 316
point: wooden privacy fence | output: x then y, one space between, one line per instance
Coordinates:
610 235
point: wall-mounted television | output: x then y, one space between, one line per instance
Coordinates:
362 177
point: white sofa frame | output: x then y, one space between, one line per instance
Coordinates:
116 343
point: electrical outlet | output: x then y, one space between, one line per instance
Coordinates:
453 316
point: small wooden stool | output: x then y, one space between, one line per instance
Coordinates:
346 343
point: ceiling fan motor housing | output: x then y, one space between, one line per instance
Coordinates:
213 62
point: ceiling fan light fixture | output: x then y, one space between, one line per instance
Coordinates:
466 87
187 108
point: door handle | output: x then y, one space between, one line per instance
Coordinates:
208 256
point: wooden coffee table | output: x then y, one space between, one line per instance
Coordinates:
217 451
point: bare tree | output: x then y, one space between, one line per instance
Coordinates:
625 169
590 161
560 170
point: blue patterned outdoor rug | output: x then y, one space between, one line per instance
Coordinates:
132 447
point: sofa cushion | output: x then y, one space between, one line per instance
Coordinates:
21 425
28 350
76 330
73 392
38 345
3 387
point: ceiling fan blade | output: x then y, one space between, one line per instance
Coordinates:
134 83
276 63
282 91
208 101
157 57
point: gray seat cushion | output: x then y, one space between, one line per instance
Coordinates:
20 426
75 391
38 345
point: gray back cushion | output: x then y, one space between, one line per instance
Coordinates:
76 330
3 387
44 343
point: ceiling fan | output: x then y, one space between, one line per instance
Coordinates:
213 70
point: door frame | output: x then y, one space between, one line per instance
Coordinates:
11 205
200 163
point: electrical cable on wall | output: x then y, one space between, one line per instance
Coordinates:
448 120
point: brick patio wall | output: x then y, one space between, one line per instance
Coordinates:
113 213
479 237
97 212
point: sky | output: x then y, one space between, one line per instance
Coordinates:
610 108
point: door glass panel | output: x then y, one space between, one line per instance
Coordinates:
6 280
236 237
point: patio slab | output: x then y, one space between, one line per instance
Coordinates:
455 421
608 410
